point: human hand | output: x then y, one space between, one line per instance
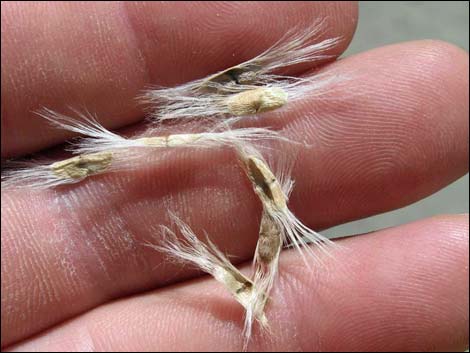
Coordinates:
75 275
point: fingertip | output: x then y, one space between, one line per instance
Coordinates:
395 287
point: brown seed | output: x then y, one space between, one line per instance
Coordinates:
267 186
231 77
269 242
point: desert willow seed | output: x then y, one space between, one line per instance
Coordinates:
269 241
266 260
79 167
257 100
100 150
252 87
271 237
41 175
96 138
293 48
212 261
274 193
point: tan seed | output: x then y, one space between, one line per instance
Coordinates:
257 100
81 166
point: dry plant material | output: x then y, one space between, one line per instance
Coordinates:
212 261
252 87
96 138
257 100
42 174
243 74
279 226
100 150
274 195
80 167
266 260
269 242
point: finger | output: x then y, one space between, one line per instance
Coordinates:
401 289
84 243
101 55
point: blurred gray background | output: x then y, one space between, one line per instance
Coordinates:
386 22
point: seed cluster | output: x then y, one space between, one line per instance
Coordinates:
250 88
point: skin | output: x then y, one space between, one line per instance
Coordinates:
75 275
